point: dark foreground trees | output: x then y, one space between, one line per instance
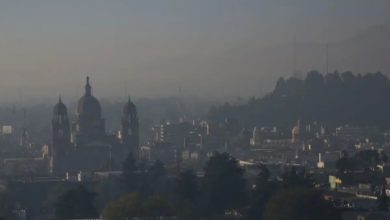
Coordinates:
134 206
146 180
128 206
222 189
261 193
382 203
223 186
187 195
266 188
295 177
129 175
76 203
6 206
299 204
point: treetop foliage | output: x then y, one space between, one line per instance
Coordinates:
76 203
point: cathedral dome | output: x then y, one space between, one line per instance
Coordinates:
88 105
60 108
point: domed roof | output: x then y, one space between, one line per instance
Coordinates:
60 108
88 105
129 108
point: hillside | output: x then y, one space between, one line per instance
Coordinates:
332 99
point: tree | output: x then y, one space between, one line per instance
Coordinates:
187 191
129 175
383 157
157 170
156 206
262 192
367 159
344 163
127 207
348 77
297 178
186 186
54 192
299 204
156 179
314 81
107 191
6 205
223 185
383 200
76 203
129 165
132 206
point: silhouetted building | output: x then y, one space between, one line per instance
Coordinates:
129 133
256 137
85 146
89 124
174 133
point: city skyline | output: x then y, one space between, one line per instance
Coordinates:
194 110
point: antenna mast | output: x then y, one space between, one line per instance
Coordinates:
295 56
327 57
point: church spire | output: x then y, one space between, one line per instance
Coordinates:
88 87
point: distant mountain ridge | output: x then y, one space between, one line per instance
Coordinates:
332 99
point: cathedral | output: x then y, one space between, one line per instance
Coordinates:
83 144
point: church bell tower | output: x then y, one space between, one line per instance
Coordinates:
129 133
60 136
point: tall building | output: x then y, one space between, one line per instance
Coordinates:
60 136
296 132
174 133
129 132
24 136
85 146
256 137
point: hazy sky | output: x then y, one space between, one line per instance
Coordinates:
151 48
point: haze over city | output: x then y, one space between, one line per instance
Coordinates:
213 49
194 110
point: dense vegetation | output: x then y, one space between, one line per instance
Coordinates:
332 99
222 193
